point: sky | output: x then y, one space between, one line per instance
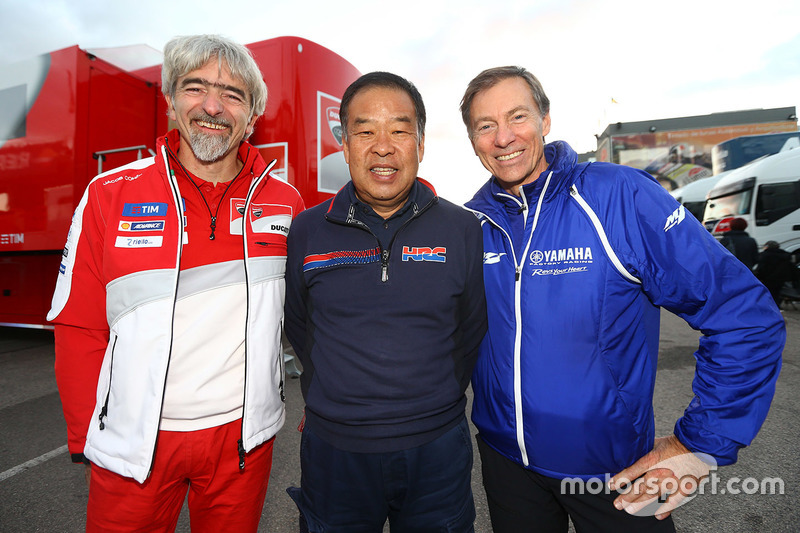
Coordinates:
599 62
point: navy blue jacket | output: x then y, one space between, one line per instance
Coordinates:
564 382
387 337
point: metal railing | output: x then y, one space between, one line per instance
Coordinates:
101 155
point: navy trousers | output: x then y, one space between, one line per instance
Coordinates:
420 490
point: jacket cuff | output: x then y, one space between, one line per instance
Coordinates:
700 440
79 458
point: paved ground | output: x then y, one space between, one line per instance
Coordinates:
41 491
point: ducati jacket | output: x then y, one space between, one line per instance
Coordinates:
116 295
576 270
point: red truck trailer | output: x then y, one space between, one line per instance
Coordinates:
68 115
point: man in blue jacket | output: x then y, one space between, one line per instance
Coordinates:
385 309
578 259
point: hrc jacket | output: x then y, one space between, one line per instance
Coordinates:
387 337
575 272
116 294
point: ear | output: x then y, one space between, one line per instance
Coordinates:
346 150
546 125
251 126
421 147
170 108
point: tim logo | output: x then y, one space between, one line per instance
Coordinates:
150 209
675 218
421 253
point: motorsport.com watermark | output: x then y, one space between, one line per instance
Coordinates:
674 482
712 484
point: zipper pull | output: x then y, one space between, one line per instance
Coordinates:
103 413
213 227
518 272
384 265
241 454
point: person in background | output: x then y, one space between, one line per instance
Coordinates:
385 309
740 243
168 310
578 261
774 268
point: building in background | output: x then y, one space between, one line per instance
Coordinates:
678 151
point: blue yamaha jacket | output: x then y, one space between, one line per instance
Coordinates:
575 272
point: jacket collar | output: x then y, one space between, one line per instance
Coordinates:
561 159
249 155
342 207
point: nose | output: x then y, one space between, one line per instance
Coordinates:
212 104
505 135
383 145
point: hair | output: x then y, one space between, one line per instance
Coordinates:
772 244
187 53
738 224
385 80
491 77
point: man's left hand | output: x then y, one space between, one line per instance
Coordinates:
669 474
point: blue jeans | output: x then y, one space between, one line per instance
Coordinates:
420 490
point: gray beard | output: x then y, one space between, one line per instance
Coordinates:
209 148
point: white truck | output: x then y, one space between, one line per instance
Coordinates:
765 193
693 195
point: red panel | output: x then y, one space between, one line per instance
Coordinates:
305 83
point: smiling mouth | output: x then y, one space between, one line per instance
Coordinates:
211 125
510 156
383 171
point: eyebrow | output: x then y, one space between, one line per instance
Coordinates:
507 114
208 83
361 121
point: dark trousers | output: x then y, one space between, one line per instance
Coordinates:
424 489
522 501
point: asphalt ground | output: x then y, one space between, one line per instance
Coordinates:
41 491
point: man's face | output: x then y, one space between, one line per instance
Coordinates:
507 133
382 147
212 111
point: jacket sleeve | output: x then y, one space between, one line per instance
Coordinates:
686 271
473 319
296 292
79 315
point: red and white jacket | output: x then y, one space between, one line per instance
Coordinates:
116 294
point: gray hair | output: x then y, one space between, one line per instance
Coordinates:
491 77
187 53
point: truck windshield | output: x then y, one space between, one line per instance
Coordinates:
734 204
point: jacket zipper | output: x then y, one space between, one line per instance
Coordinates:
176 196
518 267
385 253
250 194
104 409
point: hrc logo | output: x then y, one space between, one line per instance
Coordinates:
421 253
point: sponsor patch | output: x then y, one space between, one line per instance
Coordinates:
675 218
491 258
578 254
148 209
264 218
62 268
422 253
141 225
139 242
